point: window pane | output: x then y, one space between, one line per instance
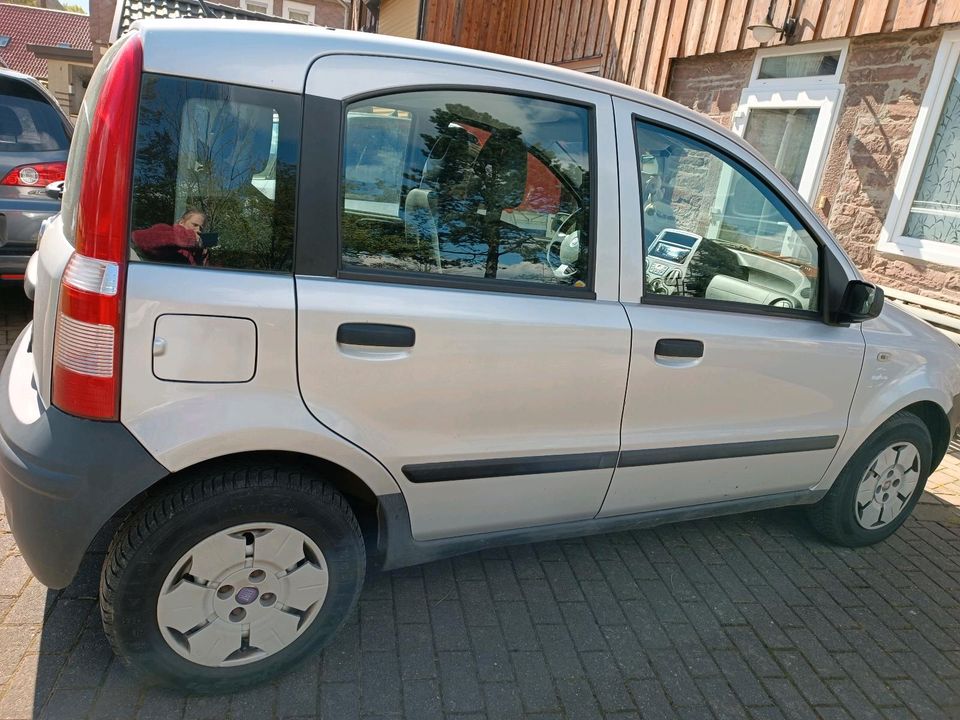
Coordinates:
802 65
935 212
28 122
299 16
712 230
783 137
468 184
214 175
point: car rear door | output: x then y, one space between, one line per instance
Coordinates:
738 388
457 271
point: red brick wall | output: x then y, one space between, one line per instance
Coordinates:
330 13
885 78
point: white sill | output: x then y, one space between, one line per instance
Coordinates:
932 252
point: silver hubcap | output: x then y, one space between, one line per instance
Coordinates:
887 485
242 594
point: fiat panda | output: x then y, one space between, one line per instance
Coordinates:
320 302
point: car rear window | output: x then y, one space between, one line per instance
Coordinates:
215 172
28 122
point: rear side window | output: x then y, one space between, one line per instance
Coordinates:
28 121
215 174
471 186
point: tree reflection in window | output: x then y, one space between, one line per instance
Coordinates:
486 186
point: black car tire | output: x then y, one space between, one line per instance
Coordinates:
169 524
835 516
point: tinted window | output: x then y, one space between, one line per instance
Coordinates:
28 121
712 230
215 175
470 185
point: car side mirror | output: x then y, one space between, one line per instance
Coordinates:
55 190
861 301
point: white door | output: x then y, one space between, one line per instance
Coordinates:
467 333
737 387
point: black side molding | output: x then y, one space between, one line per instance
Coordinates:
474 469
537 465
376 334
694 453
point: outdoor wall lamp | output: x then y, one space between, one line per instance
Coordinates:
767 31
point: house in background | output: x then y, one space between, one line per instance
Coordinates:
856 102
109 19
52 46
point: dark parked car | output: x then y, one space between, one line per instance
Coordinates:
34 141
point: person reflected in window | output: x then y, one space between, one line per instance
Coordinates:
178 243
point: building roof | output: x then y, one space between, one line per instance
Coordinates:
26 25
129 11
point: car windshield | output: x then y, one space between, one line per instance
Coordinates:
28 122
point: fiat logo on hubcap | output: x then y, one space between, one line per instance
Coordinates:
247 595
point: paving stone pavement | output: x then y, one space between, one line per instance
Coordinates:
743 617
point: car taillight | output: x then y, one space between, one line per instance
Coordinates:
35 175
87 343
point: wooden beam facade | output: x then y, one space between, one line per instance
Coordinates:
635 40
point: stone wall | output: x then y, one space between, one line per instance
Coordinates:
711 84
884 78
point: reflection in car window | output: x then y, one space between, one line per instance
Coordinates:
468 184
214 175
712 230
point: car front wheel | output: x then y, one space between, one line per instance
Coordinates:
231 578
880 485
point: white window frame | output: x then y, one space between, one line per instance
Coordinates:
822 92
892 240
806 49
268 3
310 10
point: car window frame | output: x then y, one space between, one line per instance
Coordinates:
295 110
327 262
824 253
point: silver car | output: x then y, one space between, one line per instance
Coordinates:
320 302
34 140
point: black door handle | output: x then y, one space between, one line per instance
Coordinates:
672 347
376 334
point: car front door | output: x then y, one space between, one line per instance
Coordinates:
458 315
738 389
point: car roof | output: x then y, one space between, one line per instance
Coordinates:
277 56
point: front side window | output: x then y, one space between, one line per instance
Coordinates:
713 231
215 175
470 185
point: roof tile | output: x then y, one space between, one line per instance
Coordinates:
26 25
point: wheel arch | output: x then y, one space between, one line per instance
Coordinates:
363 501
937 422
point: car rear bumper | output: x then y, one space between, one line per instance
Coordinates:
61 477
13 267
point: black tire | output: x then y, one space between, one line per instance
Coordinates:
835 517
169 524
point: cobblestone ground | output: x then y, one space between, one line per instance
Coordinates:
743 617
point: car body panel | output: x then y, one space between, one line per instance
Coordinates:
185 423
761 378
505 370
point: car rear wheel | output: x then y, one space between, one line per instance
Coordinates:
231 578
880 485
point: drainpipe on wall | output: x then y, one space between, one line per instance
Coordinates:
421 16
